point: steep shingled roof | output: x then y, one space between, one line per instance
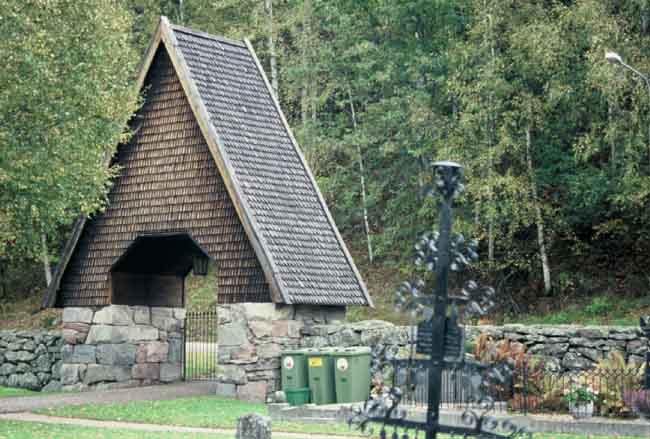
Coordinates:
303 257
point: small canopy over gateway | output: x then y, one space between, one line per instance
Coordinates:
212 171
153 268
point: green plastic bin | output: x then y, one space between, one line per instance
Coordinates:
321 375
298 396
294 370
352 374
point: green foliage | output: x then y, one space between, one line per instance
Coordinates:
552 136
65 97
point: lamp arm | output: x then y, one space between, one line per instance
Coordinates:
638 73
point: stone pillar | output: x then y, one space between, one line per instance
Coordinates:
121 346
251 339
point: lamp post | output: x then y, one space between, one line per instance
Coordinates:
615 58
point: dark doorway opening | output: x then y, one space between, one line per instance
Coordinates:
152 270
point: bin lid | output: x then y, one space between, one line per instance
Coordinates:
315 352
294 352
353 351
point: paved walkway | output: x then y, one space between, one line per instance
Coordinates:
31 417
148 393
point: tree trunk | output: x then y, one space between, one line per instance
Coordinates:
364 201
304 53
271 42
546 270
46 260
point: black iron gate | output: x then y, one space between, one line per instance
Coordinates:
200 351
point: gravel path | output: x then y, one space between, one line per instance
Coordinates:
148 393
31 417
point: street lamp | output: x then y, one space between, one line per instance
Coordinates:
615 58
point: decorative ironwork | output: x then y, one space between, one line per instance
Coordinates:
645 328
440 337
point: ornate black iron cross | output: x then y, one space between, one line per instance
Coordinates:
440 338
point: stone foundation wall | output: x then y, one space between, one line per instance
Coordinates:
121 346
251 339
564 347
30 359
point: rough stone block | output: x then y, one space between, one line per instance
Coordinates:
25 356
71 373
280 328
96 373
254 391
170 372
7 369
142 333
157 352
43 363
180 313
82 353
146 371
232 374
119 315
294 328
25 381
52 386
268 350
141 354
253 426
232 334
266 311
261 328
163 321
70 336
100 334
78 327
122 354
141 315
244 354
175 350
77 315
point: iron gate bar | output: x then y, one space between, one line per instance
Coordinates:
200 346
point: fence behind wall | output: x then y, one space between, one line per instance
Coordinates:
201 348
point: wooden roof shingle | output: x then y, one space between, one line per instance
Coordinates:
281 209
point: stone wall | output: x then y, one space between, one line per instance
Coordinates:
251 339
569 347
30 359
564 347
121 346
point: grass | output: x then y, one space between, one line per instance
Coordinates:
211 412
10 391
31 430
597 310
205 411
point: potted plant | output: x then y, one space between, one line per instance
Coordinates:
581 399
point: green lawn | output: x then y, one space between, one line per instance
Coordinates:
30 430
208 411
10 391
